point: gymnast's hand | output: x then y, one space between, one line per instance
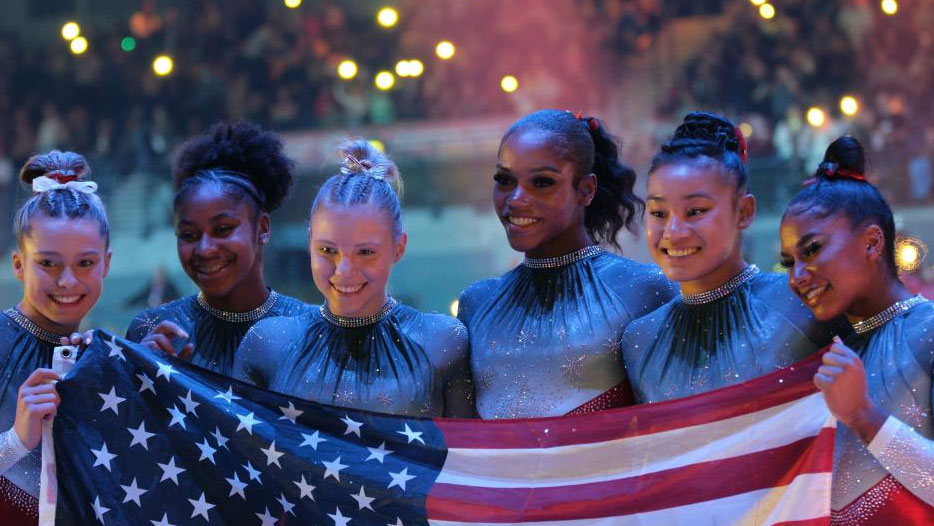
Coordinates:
81 340
37 399
161 336
842 379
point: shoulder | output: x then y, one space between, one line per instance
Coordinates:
475 295
648 325
771 290
175 311
444 338
644 284
289 306
918 326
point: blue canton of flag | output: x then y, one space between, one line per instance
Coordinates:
145 439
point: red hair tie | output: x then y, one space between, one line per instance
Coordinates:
742 147
832 170
61 177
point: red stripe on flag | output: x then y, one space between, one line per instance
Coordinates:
761 393
818 521
692 484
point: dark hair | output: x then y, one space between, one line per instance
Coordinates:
246 160
59 202
367 176
839 186
702 136
585 142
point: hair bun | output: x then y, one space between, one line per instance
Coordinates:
700 129
58 165
845 158
360 157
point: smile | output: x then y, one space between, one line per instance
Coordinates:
211 268
812 295
348 289
522 221
66 300
680 252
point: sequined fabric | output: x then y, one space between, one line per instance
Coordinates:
215 339
20 355
681 350
899 362
545 341
408 363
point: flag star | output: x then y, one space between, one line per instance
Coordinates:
99 510
145 383
252 472
115 349
333 469
268 520
170 471
163 522
236 486
190 404
247 422
305 489
207 452
103 457
140 436
362 500
165 370
379 453
178 417
412 435
133 492
312 440
290 413
400 478
352 425
221 439
397 523
110 401
201 507
339 520
228 396
286 505
272 456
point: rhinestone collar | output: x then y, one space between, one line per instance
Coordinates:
32 328
350 323
874 322
567 259
723 290
240 317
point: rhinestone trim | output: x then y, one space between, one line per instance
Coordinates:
351 323
723 290
874 322
567 259
240 317
32 328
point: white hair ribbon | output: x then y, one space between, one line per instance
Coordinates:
352 165
44 184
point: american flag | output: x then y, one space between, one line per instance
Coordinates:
143 439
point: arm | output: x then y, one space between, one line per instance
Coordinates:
37 400
255 361
459 401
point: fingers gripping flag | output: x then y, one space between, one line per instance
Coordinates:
143 439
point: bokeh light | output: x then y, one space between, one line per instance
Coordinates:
757 2
384 80
767 11
387 17
909 253
416 68
292 4
128 44
816 117
849 105
445 50
453 309
79 45
889 7
509 84
746 128
378 144
163 65
403 68
71 30
347 69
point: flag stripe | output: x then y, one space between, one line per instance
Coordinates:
665 489
750 509
771 390
630 457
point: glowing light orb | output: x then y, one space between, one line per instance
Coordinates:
163 65
849 105
509 84
347 69
387 17
416 68
128 44
378 144
454 305
384 80
292 4
79 45
816 117
757 2
889 7
767 11
445 50
403 68
909 253
746 128
71 30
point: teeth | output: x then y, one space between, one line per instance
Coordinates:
66 299
347 289
208 269
813 293
680 253
522 221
